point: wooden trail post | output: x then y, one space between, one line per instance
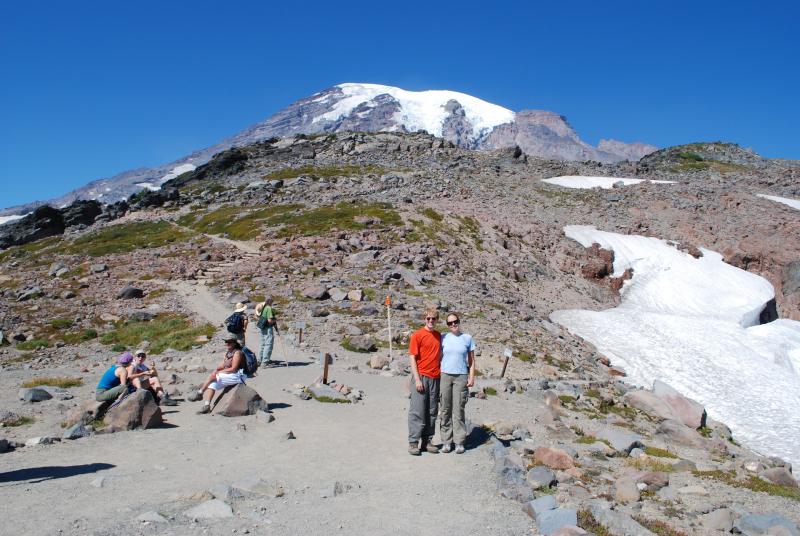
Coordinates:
300 325
507 355
326 361
389 322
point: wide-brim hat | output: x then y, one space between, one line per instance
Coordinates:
240 308
260 307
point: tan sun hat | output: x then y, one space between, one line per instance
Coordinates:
240 308
260 307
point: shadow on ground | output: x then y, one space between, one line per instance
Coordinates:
39 474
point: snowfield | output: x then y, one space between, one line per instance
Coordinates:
175 172
8 219
794 203
693 323
421 110
606 183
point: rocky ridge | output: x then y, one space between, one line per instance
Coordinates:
343 219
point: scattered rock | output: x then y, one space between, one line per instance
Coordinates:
98 268
130 293
554 458
315 292
326 393
43 440
213 509
379 361
780 476
34 394
151 517
769 523
138 410
720 519
361 343
77 431
625 491
239 401
541 477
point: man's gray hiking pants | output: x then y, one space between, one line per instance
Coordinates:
423 409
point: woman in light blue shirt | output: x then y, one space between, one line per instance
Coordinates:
458 375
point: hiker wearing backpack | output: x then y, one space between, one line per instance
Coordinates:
268 327
237 323
230 372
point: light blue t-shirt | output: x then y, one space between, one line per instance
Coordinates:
454 352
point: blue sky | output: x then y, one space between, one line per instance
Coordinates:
90 89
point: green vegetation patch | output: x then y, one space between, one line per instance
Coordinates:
327 399
61 381
323 172
660 453
490 391
21 421
33 344
235 222
752 483
164 331
657 527
61 323
648 464
77 337
33 254
343 216
128 237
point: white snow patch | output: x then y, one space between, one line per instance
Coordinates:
692 324
574 181
794 203
176 171
151 187
13 217
421 110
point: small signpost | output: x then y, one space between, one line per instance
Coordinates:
300 325
507 353
326 361
388 303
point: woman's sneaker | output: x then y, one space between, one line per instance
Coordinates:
459 449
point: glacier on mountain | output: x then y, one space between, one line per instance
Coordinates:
693 323
419 110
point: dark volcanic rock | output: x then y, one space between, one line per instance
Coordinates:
81 213
43 222
130 293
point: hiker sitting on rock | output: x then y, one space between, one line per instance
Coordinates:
229 372
458 375
144 377
115 380
236 324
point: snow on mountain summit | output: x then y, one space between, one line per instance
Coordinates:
419 110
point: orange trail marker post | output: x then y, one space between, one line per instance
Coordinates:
507 355
388 303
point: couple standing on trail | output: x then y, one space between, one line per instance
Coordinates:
440 365
237 326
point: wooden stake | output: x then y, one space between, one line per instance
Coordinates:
389 321
325 369
300 337
507 353
505 364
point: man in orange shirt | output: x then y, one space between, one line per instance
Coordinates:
425 348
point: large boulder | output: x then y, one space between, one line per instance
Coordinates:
315 292
138 410
130 293
648 402
360 343
768 523
689 412
621 440
85 413
678 432
239 401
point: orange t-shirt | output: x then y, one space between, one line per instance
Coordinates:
427 347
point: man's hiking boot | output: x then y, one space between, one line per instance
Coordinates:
194 396
413 449
167 401
206 409
431 448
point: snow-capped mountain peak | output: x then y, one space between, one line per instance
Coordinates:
418 110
